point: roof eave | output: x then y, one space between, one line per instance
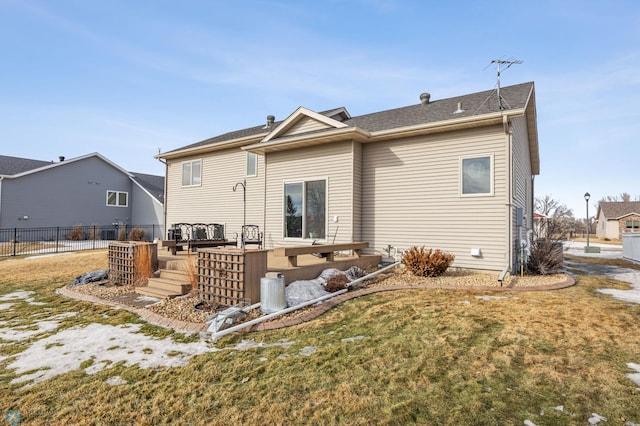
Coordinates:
214 146
627 215
309 139
444 126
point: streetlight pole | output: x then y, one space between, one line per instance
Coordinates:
586 198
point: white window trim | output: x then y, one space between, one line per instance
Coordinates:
326 209
255 160
190 177
491 175
117 198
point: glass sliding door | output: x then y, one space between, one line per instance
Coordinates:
305 206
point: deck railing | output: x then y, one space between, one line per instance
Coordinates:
57 239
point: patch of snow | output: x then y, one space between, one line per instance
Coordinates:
529 423
596 418
64 315
632 295
14 334
251 343
491 297
147 299
5 306
116 380
635 377
352 339
68 349
49 255
308 350
17 295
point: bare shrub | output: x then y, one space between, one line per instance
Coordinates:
191 270
77 233
339 282
545 257
137 234
122 234
427 263
142 265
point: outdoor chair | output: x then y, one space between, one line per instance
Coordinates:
251 235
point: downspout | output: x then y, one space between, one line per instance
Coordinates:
264 205
164 204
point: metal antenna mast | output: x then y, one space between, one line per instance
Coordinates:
508 64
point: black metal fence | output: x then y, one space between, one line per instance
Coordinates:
57 239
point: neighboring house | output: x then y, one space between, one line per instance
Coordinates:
615 217
454 174
86 190
540 224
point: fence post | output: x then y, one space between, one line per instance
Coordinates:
15 240
57 237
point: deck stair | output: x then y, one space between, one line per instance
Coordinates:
171 283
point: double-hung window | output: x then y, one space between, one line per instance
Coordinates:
476 175
117 198
192 173
305 207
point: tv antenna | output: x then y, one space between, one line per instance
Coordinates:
501 62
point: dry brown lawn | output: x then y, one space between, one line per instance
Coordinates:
420 356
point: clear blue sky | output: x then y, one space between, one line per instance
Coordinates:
124 78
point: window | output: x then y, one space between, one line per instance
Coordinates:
632 224
305 206
476 175
252 164
191 173
117 198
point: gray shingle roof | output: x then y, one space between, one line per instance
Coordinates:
10 166
616 209
152 183
514 97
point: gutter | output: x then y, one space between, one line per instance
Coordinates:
214 146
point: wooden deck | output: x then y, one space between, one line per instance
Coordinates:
308 266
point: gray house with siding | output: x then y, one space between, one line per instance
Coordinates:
86 190
455 174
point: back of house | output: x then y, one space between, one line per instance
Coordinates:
454 174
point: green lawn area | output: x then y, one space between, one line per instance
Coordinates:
426 357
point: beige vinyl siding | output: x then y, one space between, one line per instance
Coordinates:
356 233
521 167
411 196
214 200
306 125
522 185
332 162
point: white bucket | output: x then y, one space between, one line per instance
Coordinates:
272 295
